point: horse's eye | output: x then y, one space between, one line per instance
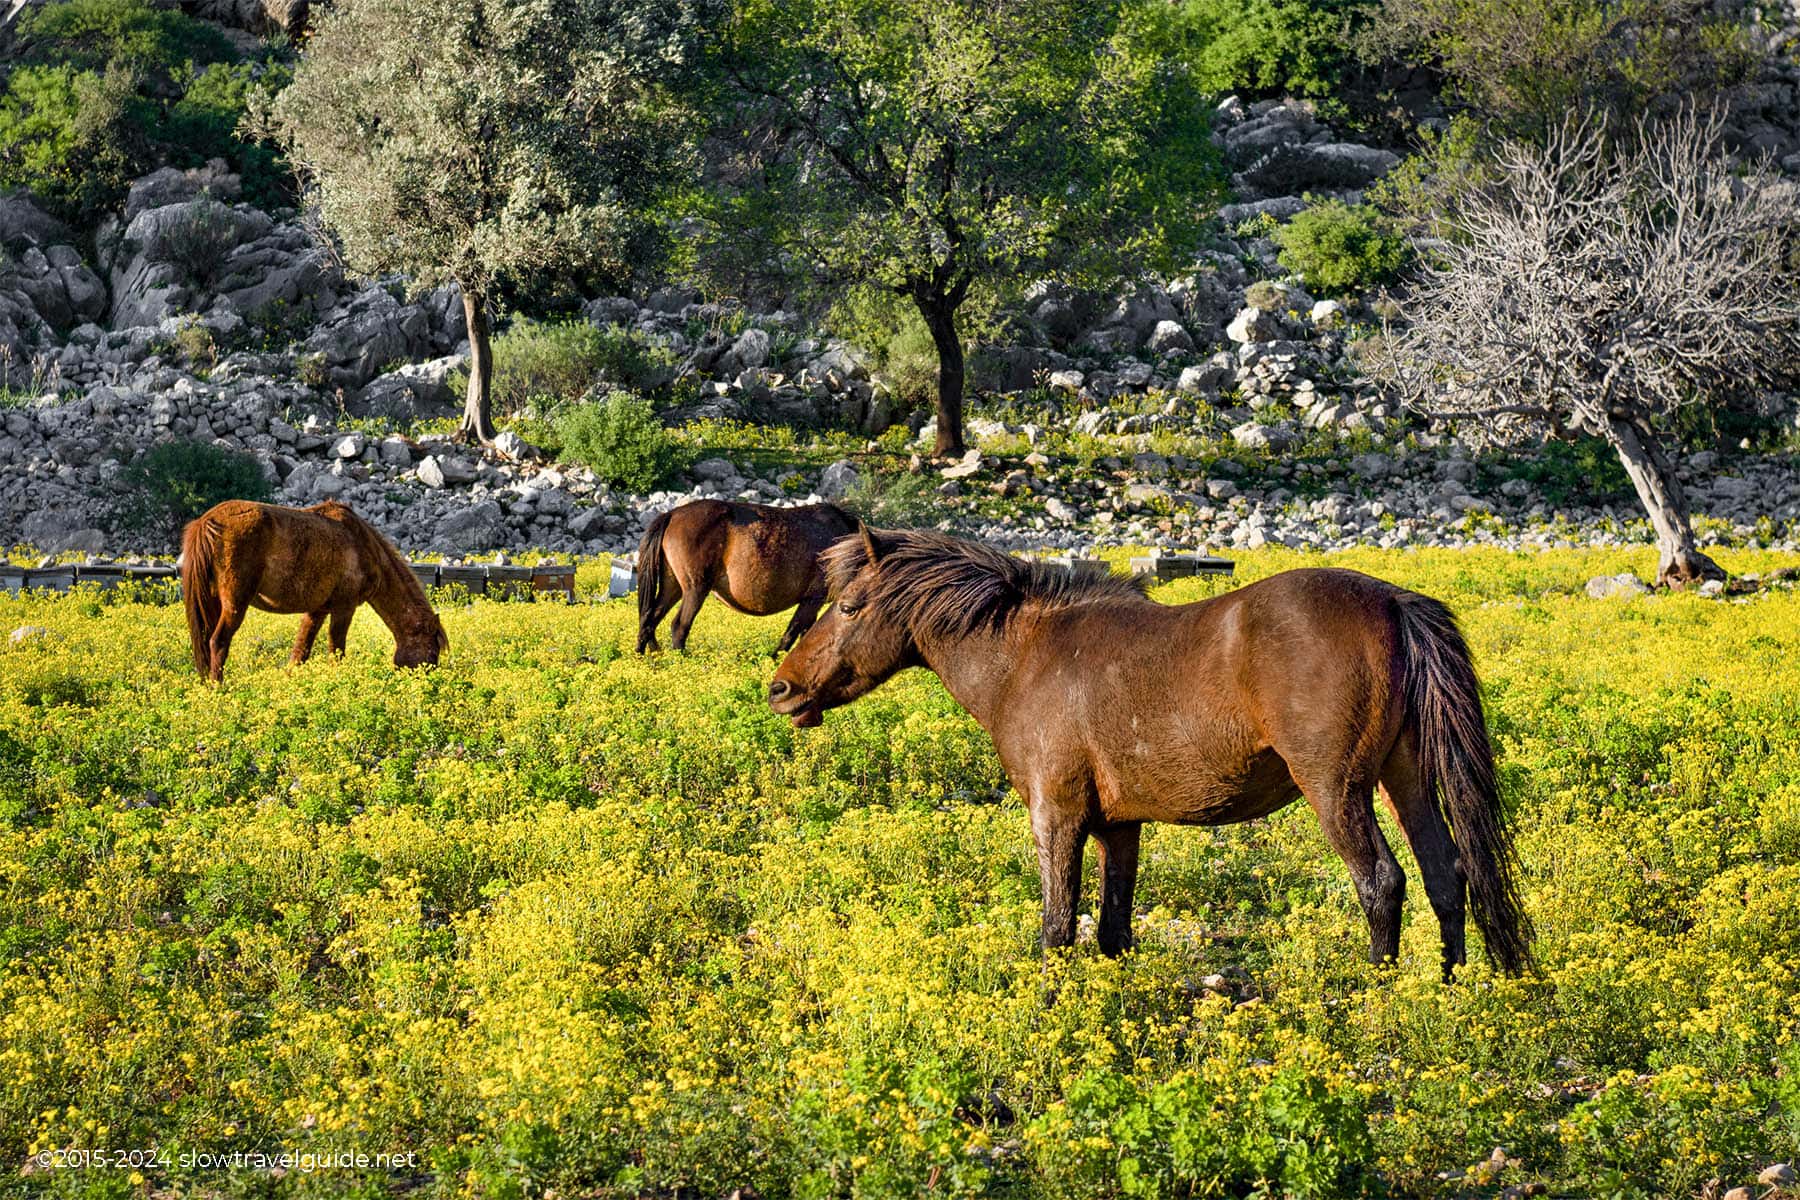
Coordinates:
849 611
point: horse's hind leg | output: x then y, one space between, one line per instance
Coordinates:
303 641
1118 846
1346 812
234 606
1409 797
667 597
803 619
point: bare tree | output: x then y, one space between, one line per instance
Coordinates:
1600 283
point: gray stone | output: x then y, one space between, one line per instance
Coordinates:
749 351
25 634
467 530
510 445
714 468
1252 324
431 473
836 481
351 445
1621 587
1058 510
396 452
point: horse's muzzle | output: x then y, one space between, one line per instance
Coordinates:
787 702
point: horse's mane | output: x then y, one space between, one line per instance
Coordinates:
379 549
945 586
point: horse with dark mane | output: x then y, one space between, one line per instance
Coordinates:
1109 710
758 559
322 561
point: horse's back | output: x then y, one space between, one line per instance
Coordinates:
1191 712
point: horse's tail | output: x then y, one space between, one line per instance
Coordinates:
1457 763
199 590
650 573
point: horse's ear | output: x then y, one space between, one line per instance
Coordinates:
869 546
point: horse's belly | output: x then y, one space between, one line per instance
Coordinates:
1183 793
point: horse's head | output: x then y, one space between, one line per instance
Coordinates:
853 648
422 642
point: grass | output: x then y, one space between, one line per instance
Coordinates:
553 917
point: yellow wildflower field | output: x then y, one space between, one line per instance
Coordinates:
553 919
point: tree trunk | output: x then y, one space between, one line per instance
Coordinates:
1679 560
940 319
478 411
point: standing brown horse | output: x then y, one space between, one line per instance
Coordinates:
760 560
1109 710
322 561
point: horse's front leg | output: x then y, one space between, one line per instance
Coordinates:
303 641
1060 831
340 628
1118 846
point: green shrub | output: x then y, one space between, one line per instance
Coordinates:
174 482
548 365
90 34
1270 47
899 500
1339 248
620 439
1527 64
109 89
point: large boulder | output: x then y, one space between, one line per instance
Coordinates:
373 329
412 392
1292 169
171 185
468 530
21 220
169 258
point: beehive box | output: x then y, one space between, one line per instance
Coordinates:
509 583
623 579
1180 566
471 579
425 573
554 580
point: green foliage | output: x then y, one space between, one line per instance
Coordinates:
89 35
620 439
1231 1129
1270 47
1338 248
479 145
1583 471
947 146
108 89
174 482
1527 64
547 365
896 500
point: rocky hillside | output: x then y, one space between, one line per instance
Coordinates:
1223 406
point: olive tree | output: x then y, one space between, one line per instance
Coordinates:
480 142
1601 283
932 147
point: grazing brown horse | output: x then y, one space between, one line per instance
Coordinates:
322 561
1109 710
760 560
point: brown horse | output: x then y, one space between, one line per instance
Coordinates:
322 561
1109 710
760 560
